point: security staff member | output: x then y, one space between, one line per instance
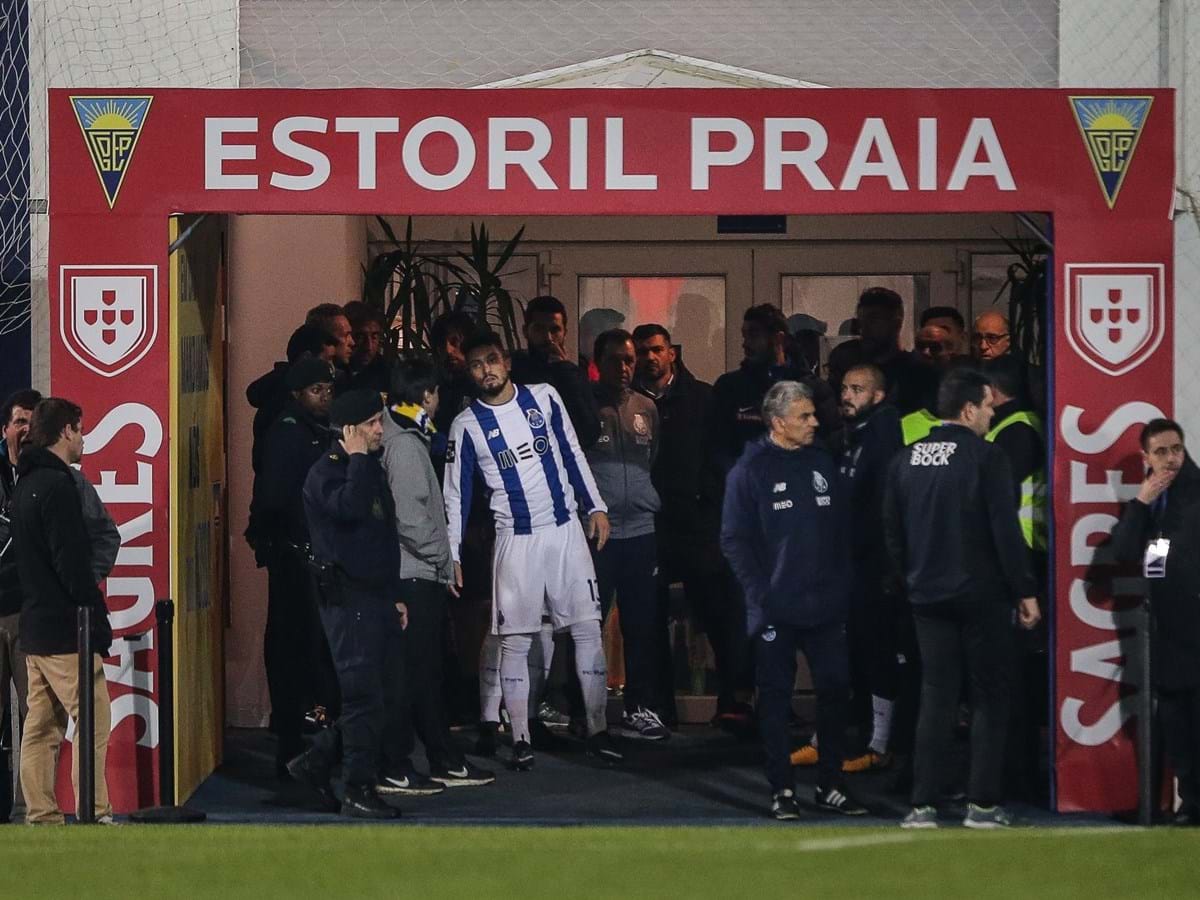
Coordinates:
299 669
952 531
1159 528
785 532
1018 431
356 555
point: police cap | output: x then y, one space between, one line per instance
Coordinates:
355 407
308 371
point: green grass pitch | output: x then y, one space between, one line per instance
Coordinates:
489 862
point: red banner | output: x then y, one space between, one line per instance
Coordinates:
1100 162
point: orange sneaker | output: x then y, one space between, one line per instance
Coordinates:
857 763
805 756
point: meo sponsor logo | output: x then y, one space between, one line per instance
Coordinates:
937 453
781 504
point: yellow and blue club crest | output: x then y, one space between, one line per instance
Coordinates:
111 126
1111 127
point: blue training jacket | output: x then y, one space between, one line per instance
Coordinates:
785 532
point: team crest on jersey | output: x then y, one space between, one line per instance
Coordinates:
640 425
820 485
536 419
1110 127
111 127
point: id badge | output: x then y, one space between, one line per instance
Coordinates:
1155 563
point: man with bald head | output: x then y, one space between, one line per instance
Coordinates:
990 338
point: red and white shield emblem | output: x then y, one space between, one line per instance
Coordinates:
1116 314
108 315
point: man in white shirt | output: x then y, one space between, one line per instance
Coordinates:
521 442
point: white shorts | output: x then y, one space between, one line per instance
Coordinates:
547 572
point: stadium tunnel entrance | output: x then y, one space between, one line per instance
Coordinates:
876 190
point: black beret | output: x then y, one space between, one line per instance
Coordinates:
308 371
355 407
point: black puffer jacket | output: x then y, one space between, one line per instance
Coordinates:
54 558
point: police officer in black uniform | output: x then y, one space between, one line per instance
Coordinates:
299 669
356 562
952 530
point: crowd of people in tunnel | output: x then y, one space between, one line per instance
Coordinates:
523 495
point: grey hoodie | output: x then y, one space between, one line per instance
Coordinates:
621 460
420 510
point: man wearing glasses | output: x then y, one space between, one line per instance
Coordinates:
299 669
991 338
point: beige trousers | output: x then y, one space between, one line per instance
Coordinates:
53 697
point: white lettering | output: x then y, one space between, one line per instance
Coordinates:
138 706
368 129
411 153
1096 616
500 156
615 177
317 161
927 157
126 672
1112 490
704 157
994 165
1106 436
775 157
216 152
874 137
579 154
1083 553
130 531
1102 730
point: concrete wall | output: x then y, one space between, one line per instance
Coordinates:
279 267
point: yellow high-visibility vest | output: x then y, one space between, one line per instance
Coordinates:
1032 511
917 425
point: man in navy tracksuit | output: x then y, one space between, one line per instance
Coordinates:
785 532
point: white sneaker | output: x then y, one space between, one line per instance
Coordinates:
644 725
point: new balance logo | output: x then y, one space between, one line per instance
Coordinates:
780 487
493 434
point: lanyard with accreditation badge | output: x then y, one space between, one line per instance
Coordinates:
1154 565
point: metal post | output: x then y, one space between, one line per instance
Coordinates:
1145 731
167 813
165 616
85 721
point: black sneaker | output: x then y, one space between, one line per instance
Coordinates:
522 756
601 746
485 744
465 774
837 800
643 725
312 772
361 802
410 783
784 806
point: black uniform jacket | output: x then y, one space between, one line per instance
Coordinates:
291 445
1175 599
352 520
864 449
54 558
950 524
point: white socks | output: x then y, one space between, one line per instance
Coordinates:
881 731
514 681
592 669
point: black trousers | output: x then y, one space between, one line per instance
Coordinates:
300 672
1179 713
978 633
715 599
874 670
420 711
368 652
625 568
824 648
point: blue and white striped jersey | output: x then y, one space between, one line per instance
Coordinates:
529 457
